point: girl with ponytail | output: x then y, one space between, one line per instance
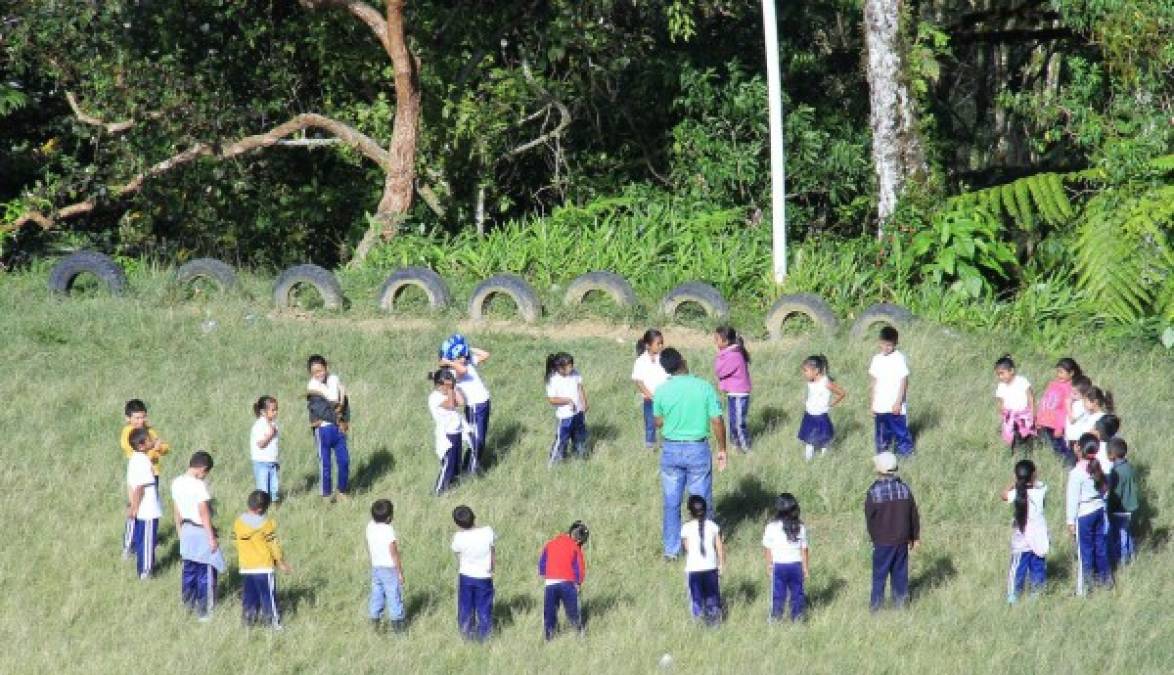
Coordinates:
732 368
816 430
1029 531
263 446
564 391
648 375
1086 517
705 556
1054 406
1016 402
785 542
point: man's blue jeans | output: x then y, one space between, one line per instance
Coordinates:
684 466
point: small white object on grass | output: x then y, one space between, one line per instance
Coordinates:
209 325
666 661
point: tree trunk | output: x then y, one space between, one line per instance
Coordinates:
896 148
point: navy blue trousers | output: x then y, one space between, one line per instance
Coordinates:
144 538
477 417
474 607
566 594
198 587
787 580
569 430
705 596
649 425
259 598
331 439
892 430
890 564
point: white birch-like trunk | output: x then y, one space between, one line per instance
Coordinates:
896 148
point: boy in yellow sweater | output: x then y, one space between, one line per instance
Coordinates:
259 553
136 418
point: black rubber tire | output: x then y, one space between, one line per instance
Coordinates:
881 313
423 278
321 279
807 304
217 271
614 285
523 295
66 271
703 294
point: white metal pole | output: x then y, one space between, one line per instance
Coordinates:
778 176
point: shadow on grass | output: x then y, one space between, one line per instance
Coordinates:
500 443
372 469
1152 538
933 574
505 612
417 605
168 559
602 433
768 421
825 593
749 501
291 598
303 486
595 607
927 419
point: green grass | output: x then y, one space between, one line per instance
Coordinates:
68 604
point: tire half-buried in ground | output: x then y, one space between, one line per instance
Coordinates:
311 275
523 295
67 270
217 271
881 313
423 278
806 304
708 297
610 283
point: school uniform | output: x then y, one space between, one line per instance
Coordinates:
265 464
816 429
200 563
563 569
145 526
477 409
154 454
1078 421
570 420
1018 420
321 402
259 552
446 440
386 591
701 570
786 556
888 370
1123 503
648 371
1085 509
1029 546
733 378
474 549
891 515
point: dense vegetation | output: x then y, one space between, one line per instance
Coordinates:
1047 189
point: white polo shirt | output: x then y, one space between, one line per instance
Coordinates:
140 473
888 370
565 386
187 492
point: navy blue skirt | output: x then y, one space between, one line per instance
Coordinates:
817 430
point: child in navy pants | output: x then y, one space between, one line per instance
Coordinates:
475 557
563 570
785 542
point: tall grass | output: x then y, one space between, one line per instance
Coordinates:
68 604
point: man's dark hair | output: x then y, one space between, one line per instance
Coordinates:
463 517
888 334
382 510
672 361
259 501
200 460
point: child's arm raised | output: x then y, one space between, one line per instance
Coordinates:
838 393
479 355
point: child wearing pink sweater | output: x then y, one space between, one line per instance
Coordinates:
732 367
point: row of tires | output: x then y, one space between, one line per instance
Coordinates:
68 269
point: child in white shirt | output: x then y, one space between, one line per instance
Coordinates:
889 374
564 391
705 557
263 447
475 557
144 503
785 543
648 375
329 408
464 360
1016 404
444 404
387 571
1029 532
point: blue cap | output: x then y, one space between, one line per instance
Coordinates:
454 347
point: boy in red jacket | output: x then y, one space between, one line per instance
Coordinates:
563 568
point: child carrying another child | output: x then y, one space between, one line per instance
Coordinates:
258 555
889 388
1016 401
456 354
135 412
263 446
387 572
785 544
329 409
564 391
1029 531
143 511
732 368
563 570
198 546
705 557
444 404
816 430
475 558
648 375
1053 407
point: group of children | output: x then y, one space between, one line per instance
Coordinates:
1076 419
1072 415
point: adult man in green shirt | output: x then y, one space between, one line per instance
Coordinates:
687 411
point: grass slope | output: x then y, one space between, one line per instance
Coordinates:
67 603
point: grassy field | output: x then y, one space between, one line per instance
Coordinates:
68 604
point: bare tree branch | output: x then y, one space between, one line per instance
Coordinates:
557 131
110 127
345 134
360 10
